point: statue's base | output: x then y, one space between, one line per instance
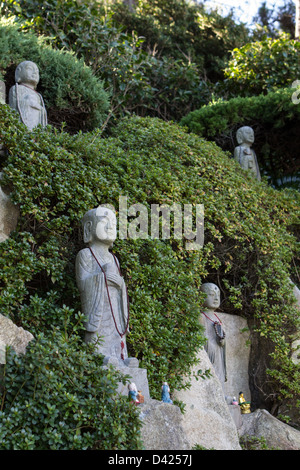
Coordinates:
137 375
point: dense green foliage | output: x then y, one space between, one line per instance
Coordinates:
57 397
159 61
275 119
263 66
71 92
184 31
249 246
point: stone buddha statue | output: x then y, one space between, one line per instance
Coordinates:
215 345
102 288
243 153
24 98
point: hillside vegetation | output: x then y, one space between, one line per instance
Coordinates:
114 111
249 248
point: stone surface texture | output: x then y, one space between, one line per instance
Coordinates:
207 420
9 214
237 355
137 376
162 427
14 336
278 435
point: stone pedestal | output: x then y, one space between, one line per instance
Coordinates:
137 375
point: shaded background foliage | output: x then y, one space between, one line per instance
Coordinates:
275 120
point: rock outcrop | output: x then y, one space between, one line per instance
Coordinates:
162 427
207 421
9 214
277 435
14 336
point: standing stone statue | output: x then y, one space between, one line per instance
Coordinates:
102 288
215 345
24 98
243 154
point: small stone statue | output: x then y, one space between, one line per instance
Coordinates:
245 405
165 393
215 344
243 154
103 292
133 393
24 98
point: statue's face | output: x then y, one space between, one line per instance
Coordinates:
106 225
29 73
212 297
248 135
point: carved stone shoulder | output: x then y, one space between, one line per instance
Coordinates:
85 261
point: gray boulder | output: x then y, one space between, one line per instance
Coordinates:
207 421
277 435
9 214
13 335
162 427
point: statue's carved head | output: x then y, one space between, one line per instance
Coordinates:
245 134
27 72
212 292
100 224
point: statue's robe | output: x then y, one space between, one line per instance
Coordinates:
215 352
29 104
246 157
100 322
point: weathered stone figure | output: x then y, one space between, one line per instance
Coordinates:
102 288
24 98
243 154
215 344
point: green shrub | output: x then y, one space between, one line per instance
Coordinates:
263 66
163 78
249 244
184 30
58 397
275 119
72 94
